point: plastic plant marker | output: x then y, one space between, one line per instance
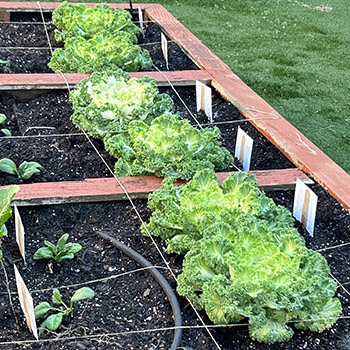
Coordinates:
204 99
20 234
164 43
305 205
244 148
141 21
26 302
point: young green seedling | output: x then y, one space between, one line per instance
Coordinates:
53 321
59 252
25 171
7 63
6 132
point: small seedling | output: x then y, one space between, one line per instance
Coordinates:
53 321
59 252
25 171
6 132
2 118
7 63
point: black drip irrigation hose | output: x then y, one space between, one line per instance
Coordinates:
159 278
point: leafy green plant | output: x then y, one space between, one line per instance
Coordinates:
244 257
106 102
6 195
6 132
24 171
86 21
53 321
167 147
2 118
96 39
59 252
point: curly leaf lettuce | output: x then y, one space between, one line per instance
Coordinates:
106 102
167 147
86 21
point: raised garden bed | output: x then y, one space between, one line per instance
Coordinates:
135 298
278 146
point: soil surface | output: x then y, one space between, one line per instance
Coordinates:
73 158
135 301
32 53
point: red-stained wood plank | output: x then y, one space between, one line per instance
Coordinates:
107 189
50 6
301 151
56 81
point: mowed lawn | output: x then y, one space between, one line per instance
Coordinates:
294 53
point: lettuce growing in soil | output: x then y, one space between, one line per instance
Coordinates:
106 102
167 147
96 39
244 258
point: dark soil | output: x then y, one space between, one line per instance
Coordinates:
135 301
73 158
35 58
27 35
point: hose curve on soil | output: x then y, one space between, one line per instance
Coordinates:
159 278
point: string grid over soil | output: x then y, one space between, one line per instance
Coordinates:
135 301
34 53
73 158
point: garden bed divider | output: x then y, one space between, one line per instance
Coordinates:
107 189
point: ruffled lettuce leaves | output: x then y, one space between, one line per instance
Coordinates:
244 259
167 146
96 39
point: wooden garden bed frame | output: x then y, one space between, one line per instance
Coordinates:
289 140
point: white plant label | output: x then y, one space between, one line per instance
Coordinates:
204 100
141 22
26 302
20 234
164 42
244 148
304 208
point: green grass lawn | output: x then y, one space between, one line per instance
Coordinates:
294 53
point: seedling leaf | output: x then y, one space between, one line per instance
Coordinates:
52 322
42 309
62 242
56 297
43 253
2 118
8 166
82 294
6 132
27 169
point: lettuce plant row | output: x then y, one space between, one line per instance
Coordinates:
96 39
139 127
244 258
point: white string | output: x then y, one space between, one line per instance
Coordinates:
335 246
93 281
149 330
340 285
131 201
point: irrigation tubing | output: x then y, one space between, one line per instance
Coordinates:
159 278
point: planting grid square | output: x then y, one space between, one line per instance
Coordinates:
336 258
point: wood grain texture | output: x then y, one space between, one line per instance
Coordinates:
289 140
48 81
107 189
